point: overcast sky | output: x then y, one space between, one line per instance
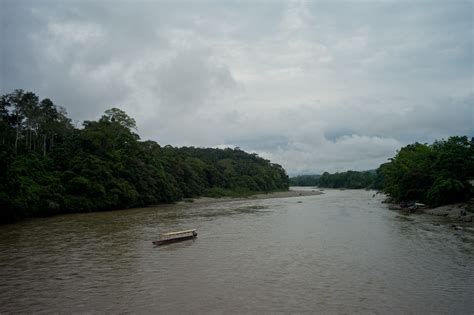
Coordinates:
314 86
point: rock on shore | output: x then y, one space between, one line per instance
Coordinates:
460 211
456 211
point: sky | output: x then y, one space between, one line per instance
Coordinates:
314 86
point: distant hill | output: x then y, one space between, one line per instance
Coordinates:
349 179
305 180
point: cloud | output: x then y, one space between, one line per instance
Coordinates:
314 86
352 152
190 79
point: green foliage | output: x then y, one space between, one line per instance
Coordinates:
119 116
445 191
30 126
349 179
50 167
436 174
305 180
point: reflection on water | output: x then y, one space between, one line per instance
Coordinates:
338 252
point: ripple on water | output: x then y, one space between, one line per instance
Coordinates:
338 252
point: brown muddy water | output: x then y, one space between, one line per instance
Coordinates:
340 252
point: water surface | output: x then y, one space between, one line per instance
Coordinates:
338 252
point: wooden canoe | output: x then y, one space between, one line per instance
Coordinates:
178 236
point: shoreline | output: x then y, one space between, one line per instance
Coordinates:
460 212
189 201
272 195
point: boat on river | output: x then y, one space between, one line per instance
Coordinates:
172 237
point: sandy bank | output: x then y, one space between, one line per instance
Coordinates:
279 194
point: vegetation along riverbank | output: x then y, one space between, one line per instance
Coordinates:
434 175
49 166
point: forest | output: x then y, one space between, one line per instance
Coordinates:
349 179
436 174
49 166
305 180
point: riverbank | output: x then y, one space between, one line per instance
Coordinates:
461 212
272 195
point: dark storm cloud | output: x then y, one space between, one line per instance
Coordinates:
326 85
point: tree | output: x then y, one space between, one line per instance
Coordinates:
436 174
120 117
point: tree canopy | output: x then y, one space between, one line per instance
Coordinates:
436 174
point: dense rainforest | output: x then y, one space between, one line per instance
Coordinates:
436 174
49 166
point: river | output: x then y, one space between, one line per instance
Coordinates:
340 252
